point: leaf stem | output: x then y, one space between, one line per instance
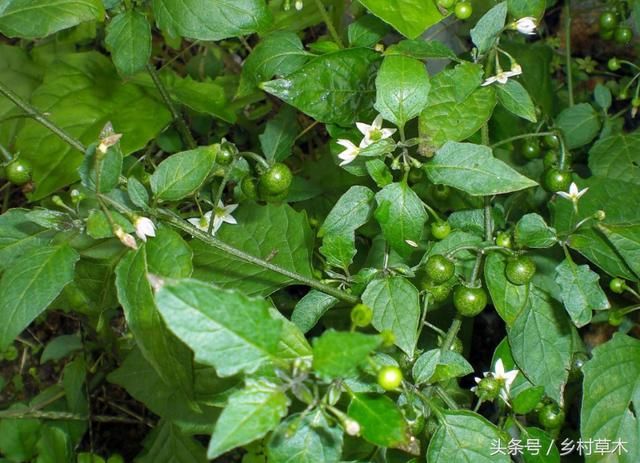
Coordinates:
180 224
451 334
520 137
567 49
330 27
181 125
41 118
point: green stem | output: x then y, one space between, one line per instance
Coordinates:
567 46
259 159
446 397
46 415
330 27
40 118
451 334
186 227
488 219
520 137
181 125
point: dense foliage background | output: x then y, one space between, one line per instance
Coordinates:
319 231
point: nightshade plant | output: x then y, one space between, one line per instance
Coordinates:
240 230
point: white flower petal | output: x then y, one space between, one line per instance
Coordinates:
489 81
363 128
386 133
377 122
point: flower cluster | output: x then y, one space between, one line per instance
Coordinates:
220 214
372 133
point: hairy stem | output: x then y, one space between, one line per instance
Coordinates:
40 118
330 27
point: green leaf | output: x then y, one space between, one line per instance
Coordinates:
18 234
18 437
143 383
508 299
488 28
590 241
338 354
581 293
457 107
526 401
522 8
101 169
211 19
169 255
473 169
611 396
99 227
547 453
250 414
225 329
366 31
450 365
401 216
335 88
626 240
82 92
181 174
617 157
379 172
402 14
292 344
311 308
515 98
421 49
170 358
425 366
129 41
533 232
542 345
352 210
580 124
395 307
277 54
167 444
273 232
34 281
61 346
138 193
381 421
466 427
402 89
32 19
305 439
54 446
603 97
279 135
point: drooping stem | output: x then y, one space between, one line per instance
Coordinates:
181 125
330 27
451 334
521 137
40 118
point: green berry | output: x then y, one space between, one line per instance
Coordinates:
469 301
18 171
520 270
616 317
488 389
617 285
249 187
531 149
556 180
614 64
623 35
389 378
608 20
441 192
226 152
551 416
440 229
276 180
439 269
551 141
504 239
463 10
439 293
361 315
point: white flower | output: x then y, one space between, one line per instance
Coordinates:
125 238
574 193
506 379
299 5
144 228
503 76
221 214
350 153
374 132
527 25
